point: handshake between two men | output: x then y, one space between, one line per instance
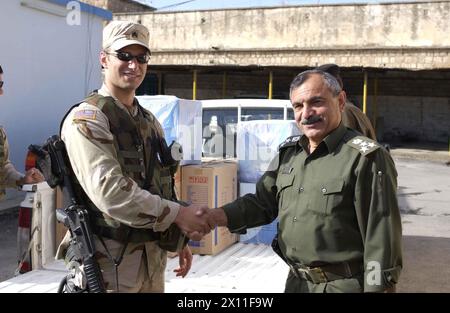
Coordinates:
197 221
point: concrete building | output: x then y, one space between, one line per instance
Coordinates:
395 57
50 58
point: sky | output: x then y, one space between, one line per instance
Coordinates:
180 5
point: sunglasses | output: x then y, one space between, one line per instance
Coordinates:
127 57
1 83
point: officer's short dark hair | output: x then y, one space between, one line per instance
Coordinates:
1 70
329 79
334 70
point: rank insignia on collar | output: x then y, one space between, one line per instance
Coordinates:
290 141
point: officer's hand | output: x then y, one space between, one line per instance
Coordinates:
185 259
215 217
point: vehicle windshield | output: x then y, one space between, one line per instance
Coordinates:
220 124
253 114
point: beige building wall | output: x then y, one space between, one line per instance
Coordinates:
402 35
119 5
412 103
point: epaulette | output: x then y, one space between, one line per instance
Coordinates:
290 141
363 144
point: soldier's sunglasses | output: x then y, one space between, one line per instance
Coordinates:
127 57
1 83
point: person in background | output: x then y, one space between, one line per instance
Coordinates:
352 116
9 176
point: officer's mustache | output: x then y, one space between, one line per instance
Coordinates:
311 120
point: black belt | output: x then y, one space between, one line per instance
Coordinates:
328 272
126 234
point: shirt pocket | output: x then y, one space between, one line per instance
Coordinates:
284 185
326 195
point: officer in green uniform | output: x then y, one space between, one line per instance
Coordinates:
352 116
119 156
334 192
9 176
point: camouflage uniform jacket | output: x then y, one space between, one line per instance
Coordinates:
8 174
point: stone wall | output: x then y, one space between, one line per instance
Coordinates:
396 35
116 6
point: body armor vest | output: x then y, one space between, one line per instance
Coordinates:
138 144
138 141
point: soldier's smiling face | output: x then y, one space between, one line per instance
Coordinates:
317 111
127 75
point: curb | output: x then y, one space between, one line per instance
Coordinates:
429 156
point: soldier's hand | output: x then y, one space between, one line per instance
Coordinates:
189 222
185 259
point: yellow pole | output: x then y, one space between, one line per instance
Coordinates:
224 85
194 86
365 93
270 84
375 95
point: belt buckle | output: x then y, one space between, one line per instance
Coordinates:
315 274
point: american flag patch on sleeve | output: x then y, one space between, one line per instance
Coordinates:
85 115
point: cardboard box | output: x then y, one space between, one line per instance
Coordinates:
177 183
213 184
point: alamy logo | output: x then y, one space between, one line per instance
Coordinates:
373 276
74 15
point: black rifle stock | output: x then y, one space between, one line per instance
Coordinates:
54 163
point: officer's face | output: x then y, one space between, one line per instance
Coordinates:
125 75
317 112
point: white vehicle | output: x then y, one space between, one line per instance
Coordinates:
221 116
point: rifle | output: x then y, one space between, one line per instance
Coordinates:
54 163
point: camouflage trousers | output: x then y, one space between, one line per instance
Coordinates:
141 269
345 285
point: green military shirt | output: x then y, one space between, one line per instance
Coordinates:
336 204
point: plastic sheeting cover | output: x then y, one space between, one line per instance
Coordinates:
182 122
257 144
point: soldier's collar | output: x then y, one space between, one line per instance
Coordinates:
333 138
104 91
